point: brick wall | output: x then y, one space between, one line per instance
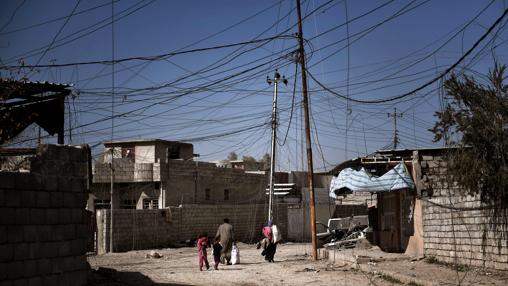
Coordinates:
457 228
43 234
146 229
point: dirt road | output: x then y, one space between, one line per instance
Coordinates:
292 266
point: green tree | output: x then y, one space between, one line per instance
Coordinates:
476 120
266 160
232 156
248 159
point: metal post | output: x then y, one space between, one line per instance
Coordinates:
395 131
301 56
275 82
272 155
111 249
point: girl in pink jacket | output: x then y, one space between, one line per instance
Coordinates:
202 255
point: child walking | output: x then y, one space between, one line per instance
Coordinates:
202 255
216 253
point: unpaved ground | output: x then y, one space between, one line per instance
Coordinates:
420 271
292 266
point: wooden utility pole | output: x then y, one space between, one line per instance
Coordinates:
301 57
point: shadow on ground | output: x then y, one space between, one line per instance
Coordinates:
111 277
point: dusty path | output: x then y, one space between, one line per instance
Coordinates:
178 266
293 266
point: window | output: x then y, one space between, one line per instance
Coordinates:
207 194
101 204
128 204
128 152
174 152
149 204
226 194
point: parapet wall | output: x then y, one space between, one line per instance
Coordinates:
43 234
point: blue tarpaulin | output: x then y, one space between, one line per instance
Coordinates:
361 181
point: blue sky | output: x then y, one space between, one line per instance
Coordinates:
219 100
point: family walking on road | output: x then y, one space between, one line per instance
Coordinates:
224 244
221 248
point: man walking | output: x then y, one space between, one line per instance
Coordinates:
225 236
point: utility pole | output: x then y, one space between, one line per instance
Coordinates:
395 131
275 82
112 168
112 197
301 57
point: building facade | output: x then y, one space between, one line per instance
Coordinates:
153 174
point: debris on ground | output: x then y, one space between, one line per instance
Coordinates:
354 238
153 254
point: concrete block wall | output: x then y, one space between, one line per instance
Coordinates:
43 232
186 182
456 228
126 171
148 229
349 210
135 229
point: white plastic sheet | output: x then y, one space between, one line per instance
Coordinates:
361 181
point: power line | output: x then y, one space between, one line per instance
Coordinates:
150 58
448 70
74 35
56 36
53 20
12 16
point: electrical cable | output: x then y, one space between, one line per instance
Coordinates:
12 16
448 70
55 37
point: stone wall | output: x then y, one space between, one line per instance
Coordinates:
456 228
43 231
148 229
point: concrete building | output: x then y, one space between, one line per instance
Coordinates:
247 165
436 219
153 173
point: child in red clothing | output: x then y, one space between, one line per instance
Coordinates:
202 255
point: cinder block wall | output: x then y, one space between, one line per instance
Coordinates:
148 229
43 235
457 229
349 210
187 181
